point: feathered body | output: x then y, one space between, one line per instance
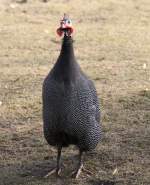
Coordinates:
70 104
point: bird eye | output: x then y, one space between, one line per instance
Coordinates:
68 21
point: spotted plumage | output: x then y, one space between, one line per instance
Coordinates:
71 112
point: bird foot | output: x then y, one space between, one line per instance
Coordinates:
55 170
87 171
76 174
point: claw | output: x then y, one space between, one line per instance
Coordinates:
76 174
55 170
87 171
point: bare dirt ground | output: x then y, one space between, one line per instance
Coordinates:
112 45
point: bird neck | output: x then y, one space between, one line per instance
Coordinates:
66 67
67 51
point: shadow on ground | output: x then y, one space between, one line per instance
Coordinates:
103 182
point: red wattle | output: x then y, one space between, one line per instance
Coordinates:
59 32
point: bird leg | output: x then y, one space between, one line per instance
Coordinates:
80 167
57 169
76 173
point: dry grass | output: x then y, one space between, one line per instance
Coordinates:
112 45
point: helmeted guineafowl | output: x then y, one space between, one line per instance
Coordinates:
71 112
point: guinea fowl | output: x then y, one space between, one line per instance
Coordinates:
71 112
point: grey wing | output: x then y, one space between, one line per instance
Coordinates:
51 100
95 100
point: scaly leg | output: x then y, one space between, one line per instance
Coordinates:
80 167
57 169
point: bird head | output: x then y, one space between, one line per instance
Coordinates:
65 27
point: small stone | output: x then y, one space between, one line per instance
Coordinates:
13 5
144 66
46 31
